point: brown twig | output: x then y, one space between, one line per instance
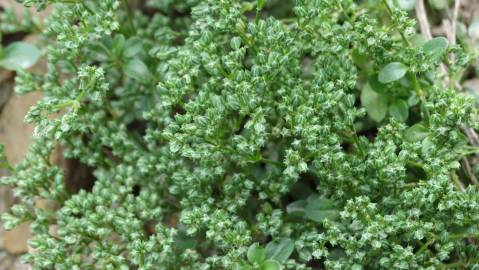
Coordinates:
450 29
469 171
455 13
423 21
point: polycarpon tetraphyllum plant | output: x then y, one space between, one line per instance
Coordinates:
227 134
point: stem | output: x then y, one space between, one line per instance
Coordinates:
349 18
457 183
272 162
129 15
419 92
259 7
413 76
425 246
390 13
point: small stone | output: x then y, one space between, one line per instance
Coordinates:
15 134
15 241
20 266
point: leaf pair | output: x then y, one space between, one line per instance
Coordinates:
133 66
378 105
126 52
373 96
435 48
269 258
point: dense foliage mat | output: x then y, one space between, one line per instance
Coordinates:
223 134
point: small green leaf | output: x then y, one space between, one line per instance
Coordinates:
270 265
439 4
137 70
399 110
413 100
296 208
235 43
473 30
319 209
256 253
3 158
427 145
19 55
392 72
261 4
356 267
376 104
407 4
436 47
183 241
118 44
279 250
133 47
416 133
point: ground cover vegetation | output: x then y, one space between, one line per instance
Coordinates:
223 134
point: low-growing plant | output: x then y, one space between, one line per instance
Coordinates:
225 134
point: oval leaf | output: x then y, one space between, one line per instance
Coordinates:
320 209
296 208
392 72
280 250
133 47
436 46
376 104
399 110
137 70
416 133
270 265
256 253
407 4
19 55
118 44
439 4
473 30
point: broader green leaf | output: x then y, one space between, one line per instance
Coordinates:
280 250
137 70
416 133
256 253
270 265
260 4
19 55
235 43
392 72
399 110
376 85
319 209
296 208
118 44
376 104
427 145
439 4
436 47
413 100
407 4
133 47
183 241
473 30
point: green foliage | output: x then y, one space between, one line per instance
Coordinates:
392 72
228 134
19 55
